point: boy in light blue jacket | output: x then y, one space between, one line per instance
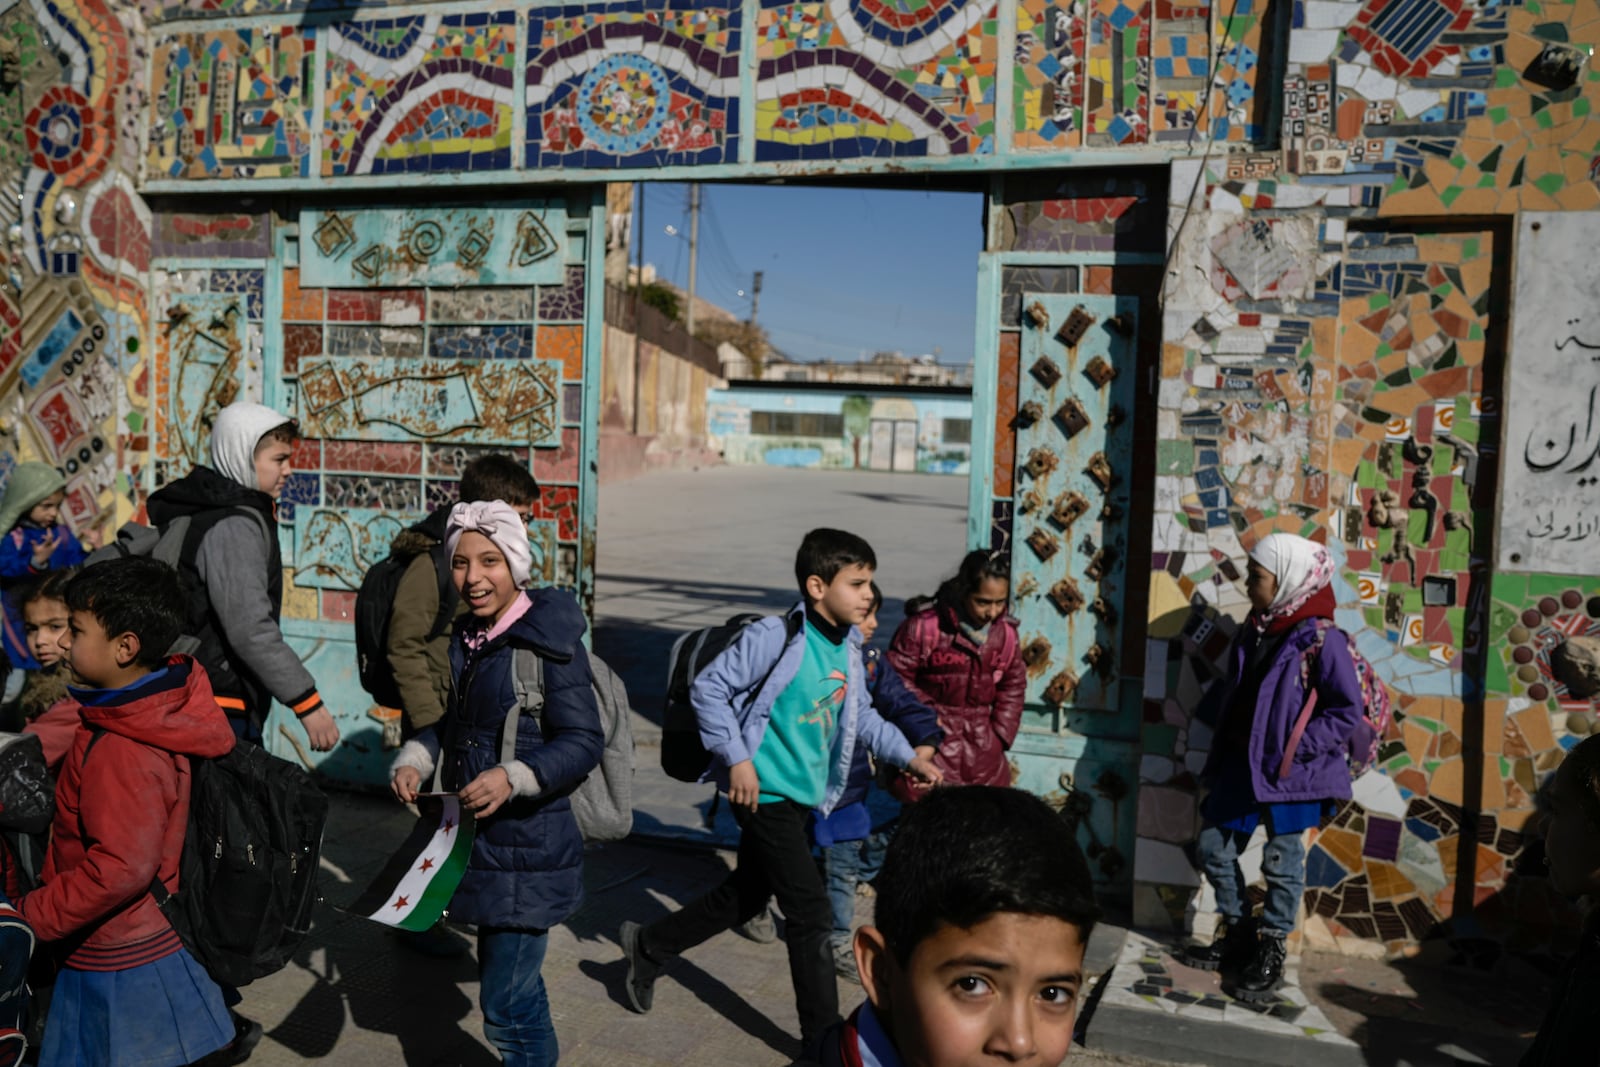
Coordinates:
781 711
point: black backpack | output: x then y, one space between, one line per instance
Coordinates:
375 607
683 756
247 879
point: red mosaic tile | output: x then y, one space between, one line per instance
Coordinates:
559 464
338 605
307 454
373 457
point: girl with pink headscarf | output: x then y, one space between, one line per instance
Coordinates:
1271 670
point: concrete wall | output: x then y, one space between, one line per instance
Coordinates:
741 430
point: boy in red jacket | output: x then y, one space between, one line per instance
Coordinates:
127 990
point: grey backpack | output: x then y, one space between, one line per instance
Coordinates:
603 803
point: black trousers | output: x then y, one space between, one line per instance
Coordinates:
774 860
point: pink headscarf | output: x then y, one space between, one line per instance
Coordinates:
1302 568
499 522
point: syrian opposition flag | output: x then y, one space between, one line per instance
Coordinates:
416 886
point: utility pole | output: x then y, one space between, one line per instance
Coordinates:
755 298
638 283
694 247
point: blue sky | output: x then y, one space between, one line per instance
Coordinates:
847 271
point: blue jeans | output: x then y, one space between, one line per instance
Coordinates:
846 864
1283 862
516 1011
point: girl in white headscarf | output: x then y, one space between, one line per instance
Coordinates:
525 873
1261 769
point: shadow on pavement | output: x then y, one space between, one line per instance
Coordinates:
623 882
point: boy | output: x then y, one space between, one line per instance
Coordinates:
233 556
781 711
127 990
985 906
419 649
852 851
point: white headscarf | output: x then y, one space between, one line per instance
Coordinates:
1302 567
239 428
500 523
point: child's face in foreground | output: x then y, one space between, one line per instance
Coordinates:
987 602
47 512
1260 585
101 660
1571 840
43 622
273 466
483 576
1005 991
847 599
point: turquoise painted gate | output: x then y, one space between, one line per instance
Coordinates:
1065 387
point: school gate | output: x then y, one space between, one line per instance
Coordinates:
1311 265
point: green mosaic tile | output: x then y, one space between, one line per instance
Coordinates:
1175 457
1431 765
1549 584
1368 476
1505 767
1469 247
1374 617
1549 184
1412 599
1456 619
1377 301
1495 679
1433 726
1400 763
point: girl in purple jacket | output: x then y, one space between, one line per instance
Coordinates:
1271 669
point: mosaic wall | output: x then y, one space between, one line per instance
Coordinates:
1320 370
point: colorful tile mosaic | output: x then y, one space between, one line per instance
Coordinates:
419 93
875 78
1117 73
1047 75
653 83
233 104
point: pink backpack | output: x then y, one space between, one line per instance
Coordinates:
1376 708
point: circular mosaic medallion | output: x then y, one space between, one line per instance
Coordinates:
623 103
55 129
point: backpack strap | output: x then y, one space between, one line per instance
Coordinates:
527 679
1313 652
448 596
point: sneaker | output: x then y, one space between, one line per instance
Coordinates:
246 1036
642 970
763 929
1229 950
844 963
1264 974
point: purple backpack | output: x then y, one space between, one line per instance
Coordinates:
1377 709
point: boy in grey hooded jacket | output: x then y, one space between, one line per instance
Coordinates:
231 553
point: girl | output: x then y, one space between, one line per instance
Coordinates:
1568 1034
525 873
35 541
958 654
1270 670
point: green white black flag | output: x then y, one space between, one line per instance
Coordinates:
415 887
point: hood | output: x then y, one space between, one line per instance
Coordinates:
421 537
202 489
176 712
553 625
43 688
29 483
238 429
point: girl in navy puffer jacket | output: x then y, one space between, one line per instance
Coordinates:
525 873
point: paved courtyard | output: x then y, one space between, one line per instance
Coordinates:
683 550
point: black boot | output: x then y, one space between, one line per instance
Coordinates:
1265 972
1230 949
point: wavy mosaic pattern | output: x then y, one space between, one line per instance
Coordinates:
419 93
648 84
848 78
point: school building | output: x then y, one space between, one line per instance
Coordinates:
1250 265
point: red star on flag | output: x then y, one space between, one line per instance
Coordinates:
427 864
401 903
449 824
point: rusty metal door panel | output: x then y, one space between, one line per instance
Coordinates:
1072 484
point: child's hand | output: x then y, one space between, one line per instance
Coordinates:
321 729
744 785
405 783
45 549
924 771
485 793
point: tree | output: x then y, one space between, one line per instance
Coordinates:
661 297
857 412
